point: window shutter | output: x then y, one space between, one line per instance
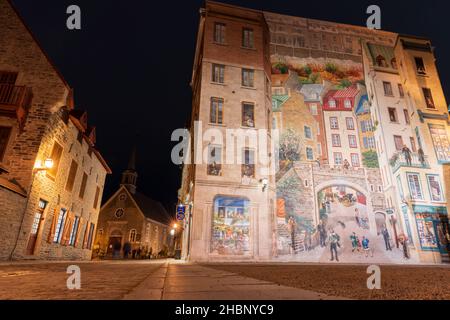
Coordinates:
77 237
51 233
86 234
67 228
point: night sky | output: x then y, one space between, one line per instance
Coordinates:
131 63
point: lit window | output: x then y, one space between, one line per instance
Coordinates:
74 232
59 225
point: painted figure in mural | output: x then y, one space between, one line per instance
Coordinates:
334 244
357 217
407 154
404 242
322 233
421 156
354 240
386 237
365 243
346 164
292 224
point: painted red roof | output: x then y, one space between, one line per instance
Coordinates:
349 92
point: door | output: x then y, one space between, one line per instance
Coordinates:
114 242
35 227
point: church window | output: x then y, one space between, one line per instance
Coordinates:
133 235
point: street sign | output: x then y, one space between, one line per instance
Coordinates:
181 212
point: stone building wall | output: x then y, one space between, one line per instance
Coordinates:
53 190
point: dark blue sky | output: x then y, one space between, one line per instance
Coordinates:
131 63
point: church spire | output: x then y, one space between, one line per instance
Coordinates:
129 176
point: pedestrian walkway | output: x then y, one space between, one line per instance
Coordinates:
177 281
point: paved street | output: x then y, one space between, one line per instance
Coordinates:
138 280
175 280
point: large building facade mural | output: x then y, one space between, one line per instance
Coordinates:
363 137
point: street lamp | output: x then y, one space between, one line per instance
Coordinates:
172 232
40 165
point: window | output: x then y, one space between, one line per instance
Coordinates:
56 157
392 115
347 104
332 103
119 213
5 132
72 174
133 234
96 198
83 185
400 90
414 186
218 73
398 140
247 38
74 231
248 76
313 107
434 187
387 88
420 66
350 123
248 166
230 233
413 144
337 158
219 33
60 225
308 132
38 216
440 141
248 114
428 98
336 140
355 159
394 63
334 124
352 141
216 111
370 143
90 236
406 114
214 160
309 153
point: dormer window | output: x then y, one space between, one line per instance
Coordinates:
332 103
347 104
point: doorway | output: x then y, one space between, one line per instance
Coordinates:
114 242
36 227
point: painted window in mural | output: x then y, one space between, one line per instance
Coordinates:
414 186
216 112
387 88
420 66
355 159
248 114
350 123
248 165
231 226
334 124
309 153
440 141
247 38
248 77
336 140
426 231
435 188
352 141
214 160
308 132
219 33
428 98
218 73
337 158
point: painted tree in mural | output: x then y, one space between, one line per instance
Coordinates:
370 159
290 146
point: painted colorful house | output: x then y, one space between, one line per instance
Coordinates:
341 127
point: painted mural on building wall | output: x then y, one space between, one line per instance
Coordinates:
321 108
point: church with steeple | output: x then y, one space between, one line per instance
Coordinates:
131 219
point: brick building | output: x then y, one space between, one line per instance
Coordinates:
130 216
52 175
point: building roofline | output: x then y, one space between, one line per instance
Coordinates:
38 44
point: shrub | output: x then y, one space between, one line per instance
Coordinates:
370 159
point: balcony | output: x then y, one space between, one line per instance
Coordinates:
15 102
399 160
